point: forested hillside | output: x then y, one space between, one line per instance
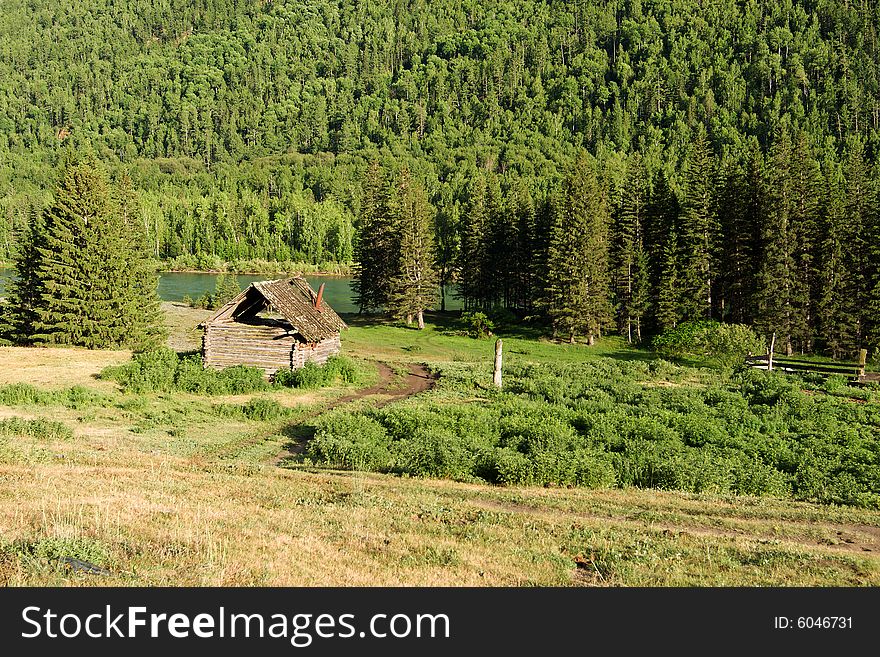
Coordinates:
247 128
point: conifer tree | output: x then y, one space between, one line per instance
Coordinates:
831 318
777 284
628 256
577 294
860 206
415 287
524 246
138 285
739 208
473 283
698 233
91 268
806 191
18 315
375 250
668 303
663 255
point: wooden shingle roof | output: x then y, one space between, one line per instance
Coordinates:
293 299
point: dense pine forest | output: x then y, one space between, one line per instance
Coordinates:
606 164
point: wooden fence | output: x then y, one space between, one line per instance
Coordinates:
856 371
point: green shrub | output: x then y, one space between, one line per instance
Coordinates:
337 370
263 409
39 429
349 441
725 344
608 423
163 370
478 324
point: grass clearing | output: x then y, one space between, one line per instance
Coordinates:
171 488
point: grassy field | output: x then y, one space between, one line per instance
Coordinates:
181 489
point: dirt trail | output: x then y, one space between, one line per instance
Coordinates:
389 388
849 537
417 380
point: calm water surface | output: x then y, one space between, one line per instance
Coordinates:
173 286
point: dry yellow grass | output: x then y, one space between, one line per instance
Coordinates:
57 367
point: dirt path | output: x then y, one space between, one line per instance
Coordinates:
417 380
389 388
851 538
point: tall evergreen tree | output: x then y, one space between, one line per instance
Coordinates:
831 306
628 256
661 229
698 232
778 289
415 287
860 207
524 247
739 212
577 294
376 249
807 187
474 283
18 313
137 280
90 268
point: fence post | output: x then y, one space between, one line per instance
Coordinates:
770 353
496 375
863 358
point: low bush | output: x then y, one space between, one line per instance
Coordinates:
163 370
39 429
478 324
724 344
613 423
338 370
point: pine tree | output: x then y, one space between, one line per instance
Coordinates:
698 233
668 303
375 250
139 282
18 316
91 269
524 246
415 287
628 256
832 276
860 205
577 294
739 208
777 284
473 279
806 191
663 254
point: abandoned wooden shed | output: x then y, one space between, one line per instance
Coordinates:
272 325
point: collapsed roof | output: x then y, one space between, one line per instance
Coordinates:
293 299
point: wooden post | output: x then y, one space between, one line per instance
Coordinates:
496 375
863 358
770 353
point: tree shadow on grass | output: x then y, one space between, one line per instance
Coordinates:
298 436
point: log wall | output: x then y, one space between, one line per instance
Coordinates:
270 348
318 352
226 344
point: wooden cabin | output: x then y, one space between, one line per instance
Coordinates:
272 325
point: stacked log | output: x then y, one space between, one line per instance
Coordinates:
226 344
270 348
315 352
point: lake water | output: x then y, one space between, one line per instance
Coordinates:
173 286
